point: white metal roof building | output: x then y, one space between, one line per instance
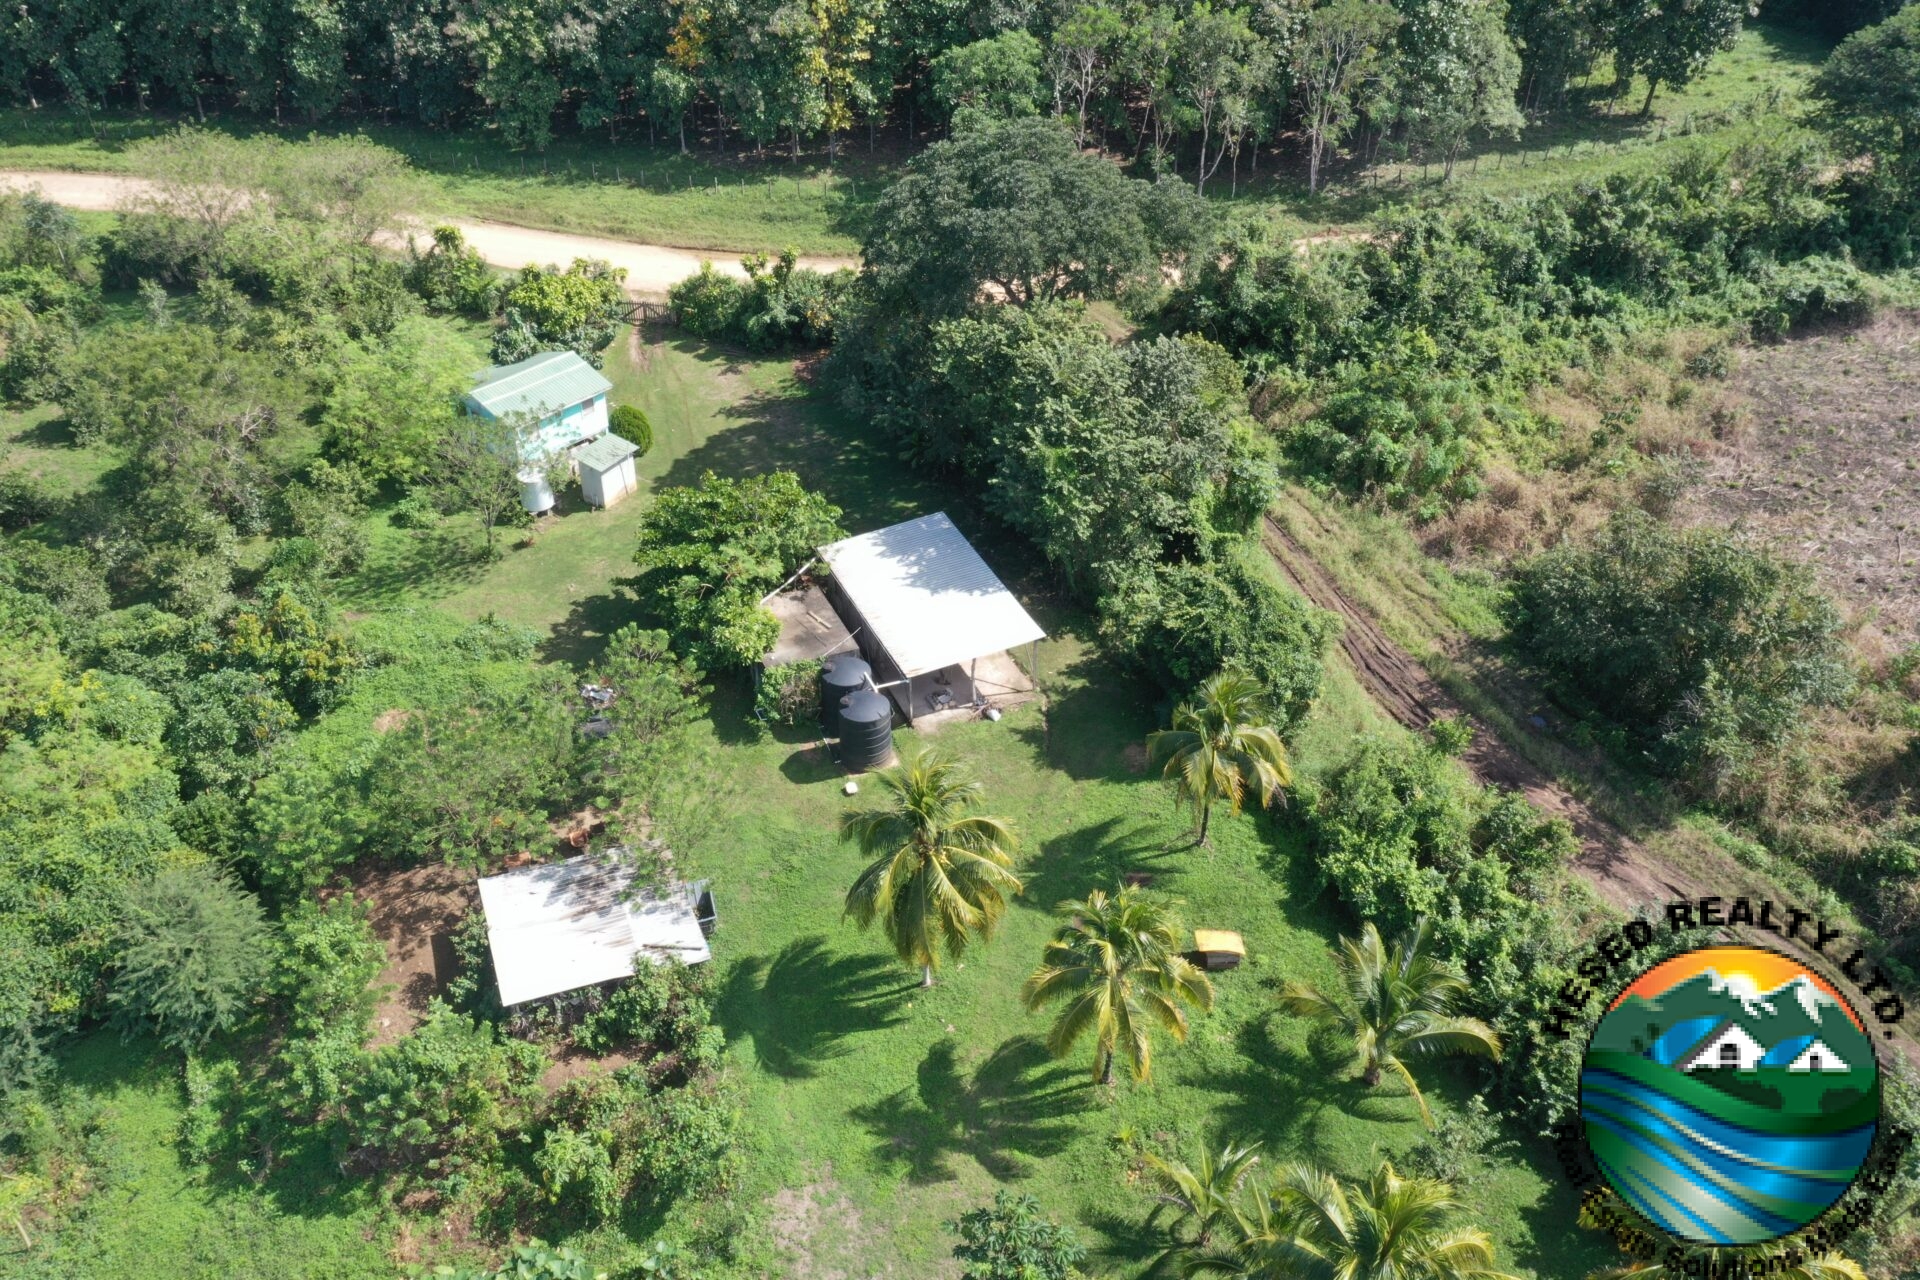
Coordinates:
571 924
919 599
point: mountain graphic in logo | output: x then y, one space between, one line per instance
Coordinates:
1730 1095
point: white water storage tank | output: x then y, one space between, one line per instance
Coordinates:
536 493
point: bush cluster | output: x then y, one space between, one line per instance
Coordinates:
779 305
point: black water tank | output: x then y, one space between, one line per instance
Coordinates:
840 675
866 731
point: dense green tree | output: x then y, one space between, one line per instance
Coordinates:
1014 208
709 553
1336 65
940 873
999 76
1670 42
195 950
1080 58
1868 95
1220 748
1397 1004
1219 65
1115 964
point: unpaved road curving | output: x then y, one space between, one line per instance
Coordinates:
651 269
1621 871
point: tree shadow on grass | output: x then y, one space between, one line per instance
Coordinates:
801 1005
1282 1097
1016 1106
1098 857
428 564
580 637
784 430
1095 715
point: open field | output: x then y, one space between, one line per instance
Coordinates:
1829 464
650 193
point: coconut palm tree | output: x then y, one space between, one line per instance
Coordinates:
1308 1225
1827 1266
940 874
1219 747
1116 962
1397 1005
1196 1197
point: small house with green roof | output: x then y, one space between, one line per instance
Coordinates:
561 398
561 402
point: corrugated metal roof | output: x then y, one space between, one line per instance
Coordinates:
539 385
605 452
571 924
927 595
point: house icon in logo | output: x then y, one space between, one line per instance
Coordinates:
1731 1047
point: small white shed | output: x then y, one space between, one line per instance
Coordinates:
581 922
606 469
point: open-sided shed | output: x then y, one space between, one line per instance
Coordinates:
576 923
925 609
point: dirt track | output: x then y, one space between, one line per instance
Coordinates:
651 269
1621 871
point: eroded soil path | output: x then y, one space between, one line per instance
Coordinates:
651 269
1621 870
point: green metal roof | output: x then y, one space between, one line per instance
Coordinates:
606 451
538 386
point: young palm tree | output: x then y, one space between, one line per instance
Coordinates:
940 874
1197 1197
1307 1225
1117 964
1397 1005
1218 747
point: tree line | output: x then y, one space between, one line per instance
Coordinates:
1187 85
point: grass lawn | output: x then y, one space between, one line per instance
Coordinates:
649 192
154 1216
875 1112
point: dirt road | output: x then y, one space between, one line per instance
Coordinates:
1621 871
651 268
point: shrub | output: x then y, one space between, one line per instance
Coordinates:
531 1261
788 694
1400 431
444 1097
451 276
614 1137
630 422
1703 647
196 951
1186 621
1813 291
1013 1240
418 510
707 304
661 1007
579 308
328 961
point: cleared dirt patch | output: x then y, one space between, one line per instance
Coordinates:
1831 466
414 913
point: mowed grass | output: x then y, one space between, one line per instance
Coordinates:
627 190
152 1215
877 1112
740 201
